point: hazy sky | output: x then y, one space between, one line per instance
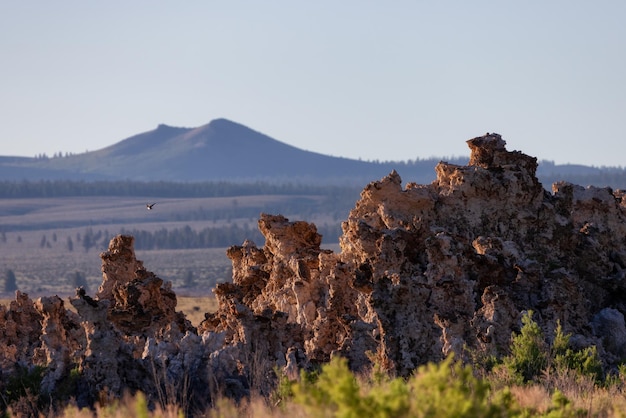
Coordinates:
387 80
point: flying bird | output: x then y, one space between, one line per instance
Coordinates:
150 205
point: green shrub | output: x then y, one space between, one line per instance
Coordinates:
336 392
447 389
563 408
450 389
531 356
529 352
585 362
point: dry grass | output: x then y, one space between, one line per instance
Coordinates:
194 307
532 401
597 401
534 397
256 407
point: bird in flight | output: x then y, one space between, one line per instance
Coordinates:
150 205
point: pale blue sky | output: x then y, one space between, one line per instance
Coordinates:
380 80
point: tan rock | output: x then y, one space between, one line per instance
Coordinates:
427 270
423 271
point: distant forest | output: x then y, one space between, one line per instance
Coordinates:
548 173
231 224
608 178
67 188
186 237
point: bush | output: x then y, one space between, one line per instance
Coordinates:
562 408
447 389
531 356
337 392
450 389
529 352
585 362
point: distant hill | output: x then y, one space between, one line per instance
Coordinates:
219 151
223 150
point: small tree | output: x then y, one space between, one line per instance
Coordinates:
10 282
188 280
87 242
529 351
585 362
531 355
77 279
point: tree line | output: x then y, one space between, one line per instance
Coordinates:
189 238
212 237
71 188
178 238
609 178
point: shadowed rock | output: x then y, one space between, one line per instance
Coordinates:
426 270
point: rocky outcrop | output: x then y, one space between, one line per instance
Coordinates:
139 302
127 338
423 271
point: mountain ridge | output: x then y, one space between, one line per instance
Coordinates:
223 150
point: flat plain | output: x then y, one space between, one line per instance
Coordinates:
41 239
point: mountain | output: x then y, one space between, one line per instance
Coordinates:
219 151
223 150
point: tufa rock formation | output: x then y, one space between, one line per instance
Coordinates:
427 270
423 271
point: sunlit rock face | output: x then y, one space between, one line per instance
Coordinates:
426 270
423 271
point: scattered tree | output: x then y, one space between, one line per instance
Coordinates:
78 279
188 280
10 282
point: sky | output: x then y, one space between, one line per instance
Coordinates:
374 80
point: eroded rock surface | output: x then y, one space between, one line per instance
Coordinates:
128 337
426 270
423 271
